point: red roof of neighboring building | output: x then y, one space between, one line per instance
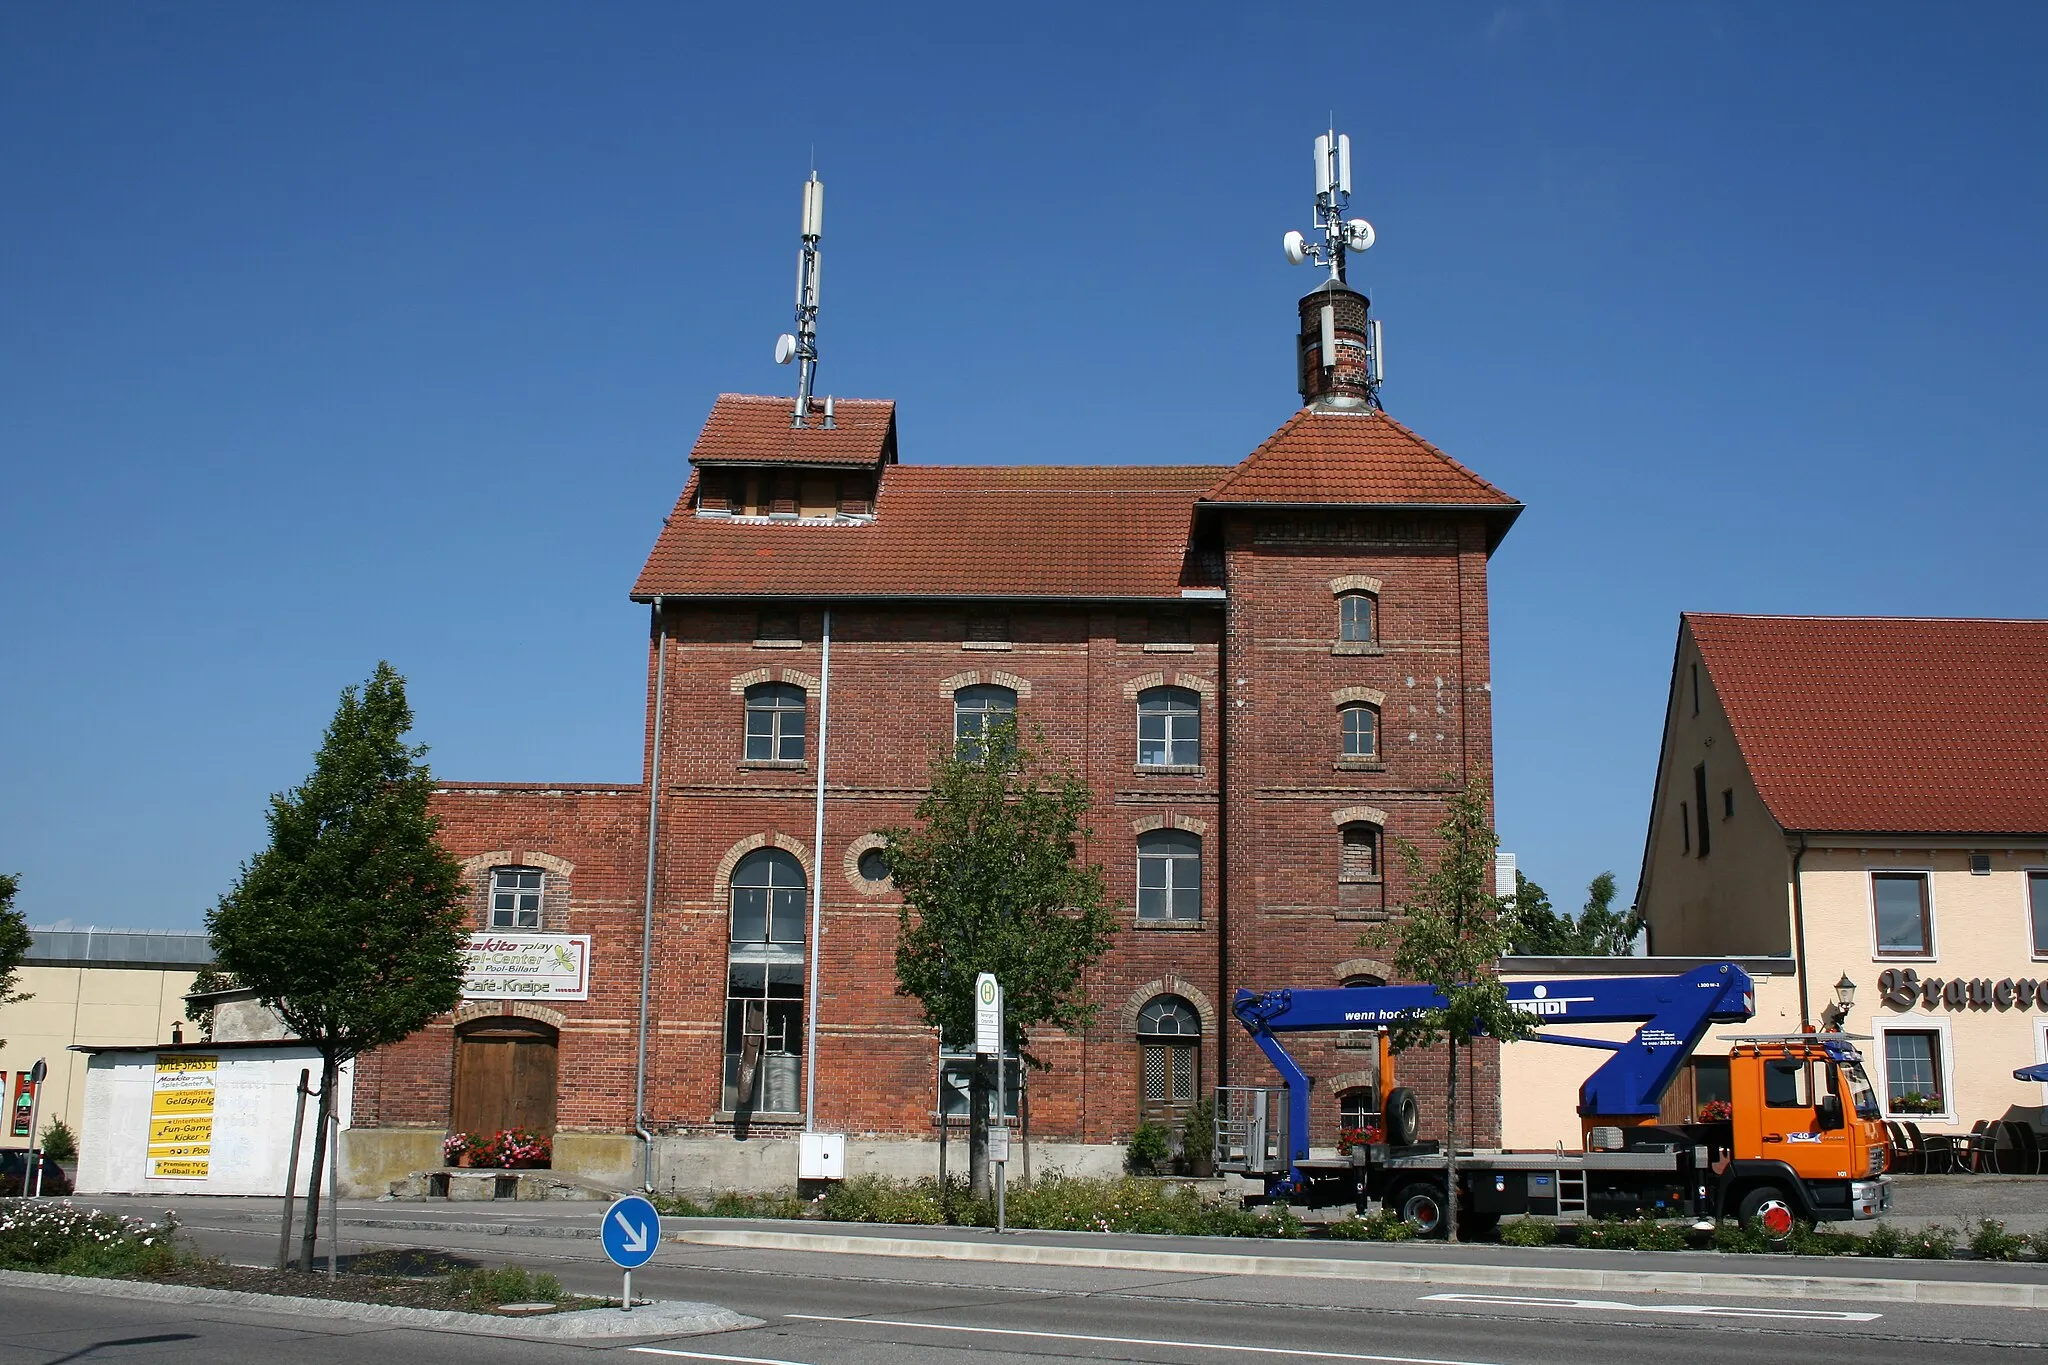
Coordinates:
1099 531
1358 456
746 428
1888 725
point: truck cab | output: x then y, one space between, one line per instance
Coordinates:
1805 1126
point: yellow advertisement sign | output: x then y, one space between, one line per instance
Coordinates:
181 1116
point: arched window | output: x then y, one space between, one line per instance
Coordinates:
1364 979
775 723
1170 876
975 709
764 986
516 896
1169 728
1169 1058
1361 730
1358 855
1357 618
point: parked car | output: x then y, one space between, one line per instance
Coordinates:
14 1165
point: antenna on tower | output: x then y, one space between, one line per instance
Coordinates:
1340 237
803 346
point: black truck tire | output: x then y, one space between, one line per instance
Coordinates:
1767 1208
1403 1116
1421 1202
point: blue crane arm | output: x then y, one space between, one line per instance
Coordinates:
1673 1012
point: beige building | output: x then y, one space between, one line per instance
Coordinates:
102 987
1869 796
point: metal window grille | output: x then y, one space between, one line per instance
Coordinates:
1157 1070
1361 731
1183 1074
1169 727
516 896
1169 876
775 722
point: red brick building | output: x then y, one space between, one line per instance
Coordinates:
1263 671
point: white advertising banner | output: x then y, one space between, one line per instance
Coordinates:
527 967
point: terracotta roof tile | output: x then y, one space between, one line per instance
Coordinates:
1104 531
1886 724
748 428
1362 457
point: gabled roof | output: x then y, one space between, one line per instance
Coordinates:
1887 725
750 429
1089 531
1356 457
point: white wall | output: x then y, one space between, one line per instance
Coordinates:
254 1099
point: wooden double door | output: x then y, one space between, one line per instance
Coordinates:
505 1076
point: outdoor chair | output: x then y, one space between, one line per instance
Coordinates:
2021 1154
1938 1154
1977 1150
1909 1156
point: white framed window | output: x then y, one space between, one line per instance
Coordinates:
1915 1061
1169 728
1902 913
1170 876
775 723
764 986
1357 617
1358 1108
1361 730
977 708
2037 912
516 896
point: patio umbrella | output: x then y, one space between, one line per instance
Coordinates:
2036 1072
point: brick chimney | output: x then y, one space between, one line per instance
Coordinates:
1333 315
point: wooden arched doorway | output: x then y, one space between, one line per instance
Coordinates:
505 1073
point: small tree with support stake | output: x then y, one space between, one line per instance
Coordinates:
1452 935
991 882
350 925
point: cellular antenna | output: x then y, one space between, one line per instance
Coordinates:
1335 333
803 346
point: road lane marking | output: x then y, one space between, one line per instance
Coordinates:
1137 1341
706 1355
1681 1309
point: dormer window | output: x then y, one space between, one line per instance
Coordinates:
786 494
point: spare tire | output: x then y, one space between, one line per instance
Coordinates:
1403 1116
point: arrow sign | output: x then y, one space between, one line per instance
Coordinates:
631 1232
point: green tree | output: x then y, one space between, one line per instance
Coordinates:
991 883
15 939
1599 930
1452 934
350 924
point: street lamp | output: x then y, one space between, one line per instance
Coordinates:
1845 996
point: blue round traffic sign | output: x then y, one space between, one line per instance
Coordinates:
632 1230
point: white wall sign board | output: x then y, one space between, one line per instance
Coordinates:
147 1126
988 1015
527 967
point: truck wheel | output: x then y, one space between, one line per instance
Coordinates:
1421 1202
1402 1117
1767 1207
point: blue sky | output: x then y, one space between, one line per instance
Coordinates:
333 334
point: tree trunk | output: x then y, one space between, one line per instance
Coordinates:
311 1238
977 1130
1451 1147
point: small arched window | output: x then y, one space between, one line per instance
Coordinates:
1358 853
1357 618
1170 876
1169 1016
1361 730
1364 979
975 709
1169 728
516 896
1359 1108
775 723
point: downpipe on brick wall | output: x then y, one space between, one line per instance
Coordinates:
817 883
647 910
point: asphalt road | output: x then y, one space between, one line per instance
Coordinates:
858 1309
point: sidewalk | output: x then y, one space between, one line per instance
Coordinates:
2004 1284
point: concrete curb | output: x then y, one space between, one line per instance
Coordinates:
654 1320
1968 1293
